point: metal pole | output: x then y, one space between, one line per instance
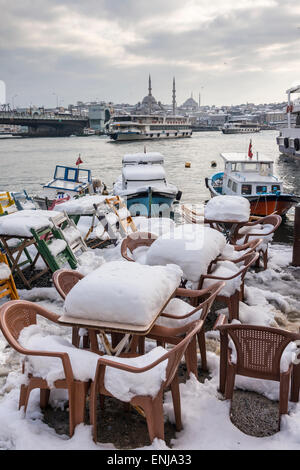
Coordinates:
296 245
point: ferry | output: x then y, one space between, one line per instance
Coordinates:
288 140
143 185
67 182
252 178
148 127
240 128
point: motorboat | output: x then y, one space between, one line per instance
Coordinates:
288 140
254 179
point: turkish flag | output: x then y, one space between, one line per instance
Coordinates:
79 161
250 154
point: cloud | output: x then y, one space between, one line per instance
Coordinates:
108 47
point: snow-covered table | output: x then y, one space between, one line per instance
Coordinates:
120 297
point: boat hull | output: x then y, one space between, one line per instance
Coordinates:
238 131
118 137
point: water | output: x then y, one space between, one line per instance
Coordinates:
29 163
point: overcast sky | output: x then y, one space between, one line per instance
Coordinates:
231 51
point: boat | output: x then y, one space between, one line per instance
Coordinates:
144 187
240 128
288 140
148 127
252 178
67 182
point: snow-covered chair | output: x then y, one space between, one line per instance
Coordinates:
141 381
136 240
50 361
233 275
264 228
259 352
177 318
236 253
64 280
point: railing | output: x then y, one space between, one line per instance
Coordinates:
36 116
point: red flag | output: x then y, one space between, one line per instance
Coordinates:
79 161
250 154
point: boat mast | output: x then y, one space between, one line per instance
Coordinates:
174 97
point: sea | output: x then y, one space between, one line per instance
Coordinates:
29 163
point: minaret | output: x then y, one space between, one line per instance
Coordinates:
174 97
150 88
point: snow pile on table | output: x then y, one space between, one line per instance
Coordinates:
123 292
4 271
34 338
156 225
89 261
125 385
190 246
227 208
81 206
19 223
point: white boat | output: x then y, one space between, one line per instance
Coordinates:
148 127
252 178
240 128
288 140
143 184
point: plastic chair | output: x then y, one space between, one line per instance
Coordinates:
245 249
232 301
18 314
172 335
152 407
64 280
258 353
136 240
273 219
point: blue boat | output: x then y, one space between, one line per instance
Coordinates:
144 187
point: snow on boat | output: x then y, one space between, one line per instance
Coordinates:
253 179
143 184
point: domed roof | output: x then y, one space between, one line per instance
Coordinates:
190 103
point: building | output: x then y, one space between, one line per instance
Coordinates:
149 105
98 114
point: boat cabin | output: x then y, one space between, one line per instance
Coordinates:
151 158
138 176
244 176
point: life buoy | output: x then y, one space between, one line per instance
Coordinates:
286 142
297 145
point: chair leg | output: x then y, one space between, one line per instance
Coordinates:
191 358
153 409
93 409
233 306
75 336
44 397
230 379
265 259
202 348
223 362
23 395
295 386
77 398
176 402
284 392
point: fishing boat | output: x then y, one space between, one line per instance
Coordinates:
252 178
67 182
143 184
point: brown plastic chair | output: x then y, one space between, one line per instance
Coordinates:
167 335
274 220
64 280
232 302
258 353
152 407
246 249
135 240
18 314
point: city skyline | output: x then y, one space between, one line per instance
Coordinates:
58 52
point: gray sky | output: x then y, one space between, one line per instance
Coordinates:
67 50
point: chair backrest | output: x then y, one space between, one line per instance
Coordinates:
64 280
258 348
135 240
250 246
18 314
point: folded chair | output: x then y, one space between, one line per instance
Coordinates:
170 328
234 283
15 315
257 351
152 406
7 283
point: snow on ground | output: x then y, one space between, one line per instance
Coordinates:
271 298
